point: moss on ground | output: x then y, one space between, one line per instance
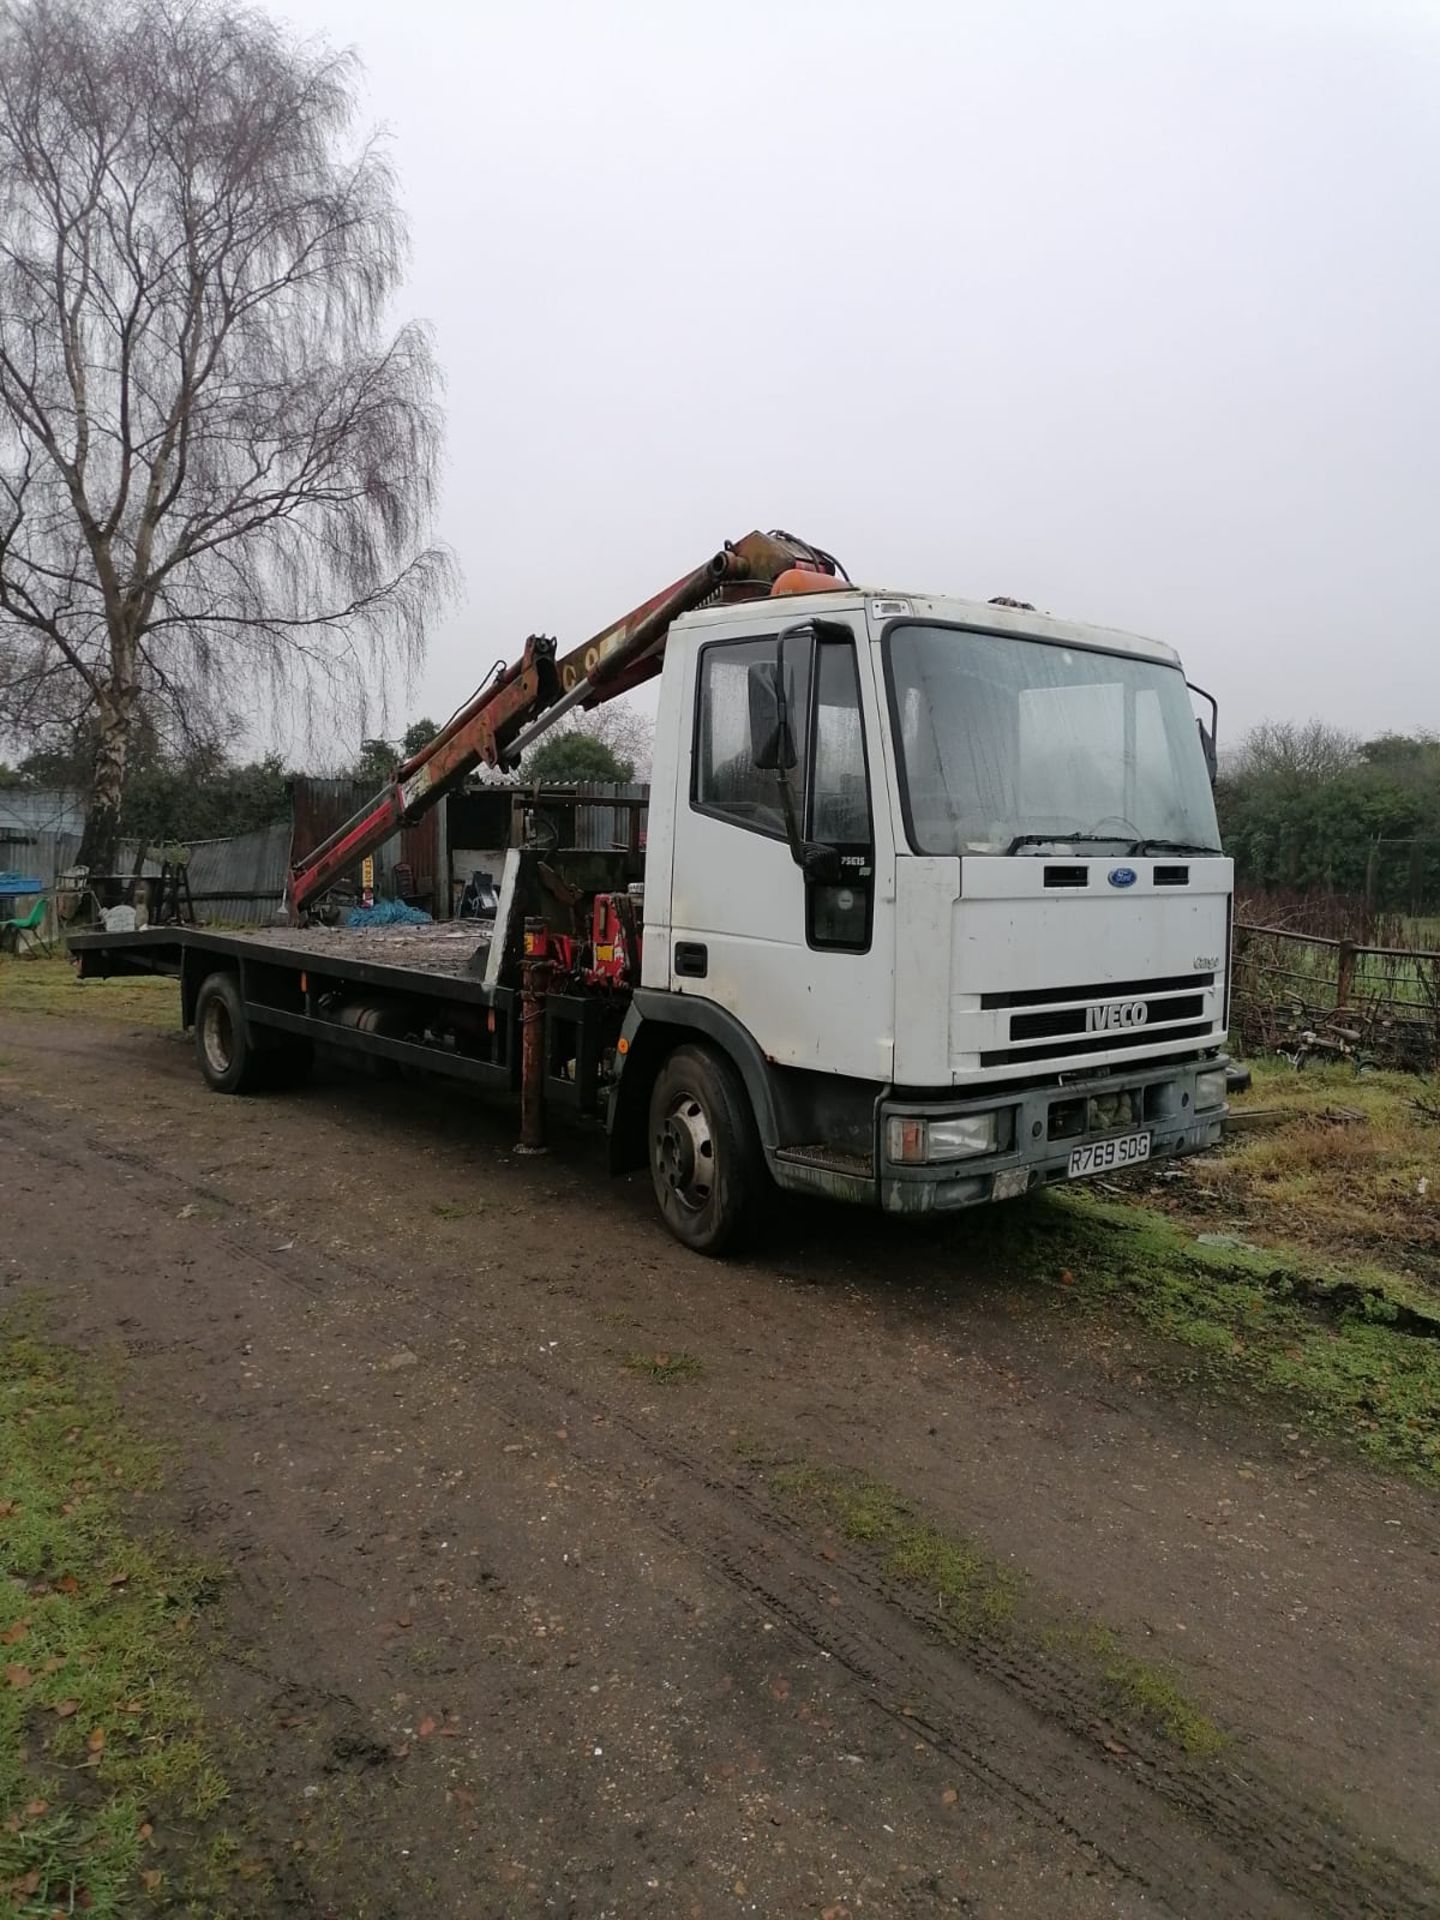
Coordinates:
976 1598
1347 1351
969 1589
666 1367
1143 1690
103 1754
51 986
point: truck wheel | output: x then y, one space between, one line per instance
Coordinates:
705 1159
228 1059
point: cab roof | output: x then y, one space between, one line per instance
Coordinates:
884 604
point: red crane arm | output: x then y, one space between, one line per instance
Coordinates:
500 721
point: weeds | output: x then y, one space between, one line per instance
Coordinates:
1353 1171
967 1587
666 1367
976 1599
1353 1352
1139 1687
100 1735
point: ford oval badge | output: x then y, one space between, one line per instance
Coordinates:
1122 876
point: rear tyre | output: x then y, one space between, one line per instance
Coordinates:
223 1046
706 1162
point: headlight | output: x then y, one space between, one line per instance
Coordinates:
1210 1089
914 1142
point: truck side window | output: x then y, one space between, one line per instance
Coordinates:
838 813
727 781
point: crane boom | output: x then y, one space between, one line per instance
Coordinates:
503 717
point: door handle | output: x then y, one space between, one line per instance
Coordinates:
692 959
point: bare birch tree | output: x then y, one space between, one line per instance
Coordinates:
216 468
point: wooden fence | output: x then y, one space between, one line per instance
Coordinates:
1300 993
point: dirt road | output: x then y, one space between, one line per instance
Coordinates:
552 1591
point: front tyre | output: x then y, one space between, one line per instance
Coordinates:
706 1162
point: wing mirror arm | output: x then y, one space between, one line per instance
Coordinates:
1209 736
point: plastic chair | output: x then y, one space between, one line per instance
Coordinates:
27 923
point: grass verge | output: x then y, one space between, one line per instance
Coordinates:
1354 1170
974 1599
1352 1352
102 1752
51 986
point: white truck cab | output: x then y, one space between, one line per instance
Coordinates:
939 883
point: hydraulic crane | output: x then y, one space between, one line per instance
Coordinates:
511 711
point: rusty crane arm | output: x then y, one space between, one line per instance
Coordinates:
499 722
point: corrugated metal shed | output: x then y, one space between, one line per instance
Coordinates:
39 810
241 879
39 835
43 854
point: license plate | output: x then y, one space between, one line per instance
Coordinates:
1108 1156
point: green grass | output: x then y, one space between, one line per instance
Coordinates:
1354 1171
101 1742
975 1597
969 1589
1143 1690
666 1367
1349 1351
51 986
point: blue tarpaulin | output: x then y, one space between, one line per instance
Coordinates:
387 913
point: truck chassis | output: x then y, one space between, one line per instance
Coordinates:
672 1079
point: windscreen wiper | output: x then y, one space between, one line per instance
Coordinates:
1171 846
1063 840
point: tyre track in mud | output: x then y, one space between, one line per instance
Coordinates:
1206 1836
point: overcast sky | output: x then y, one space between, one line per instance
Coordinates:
1130 310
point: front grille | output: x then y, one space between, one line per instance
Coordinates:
1106 990
1101 1043
1046 1022
1062 1020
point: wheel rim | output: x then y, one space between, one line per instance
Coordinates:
217 1036
685 1153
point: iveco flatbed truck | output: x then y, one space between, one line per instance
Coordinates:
932 909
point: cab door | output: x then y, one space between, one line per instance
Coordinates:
802 959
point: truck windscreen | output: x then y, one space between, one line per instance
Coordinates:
1004 740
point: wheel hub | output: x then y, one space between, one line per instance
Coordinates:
685 1152
217 1036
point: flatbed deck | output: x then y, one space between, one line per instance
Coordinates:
455 949
417 996
448 951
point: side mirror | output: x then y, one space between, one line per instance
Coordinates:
1208 735
772 745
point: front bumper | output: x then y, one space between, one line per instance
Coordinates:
1039 1127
